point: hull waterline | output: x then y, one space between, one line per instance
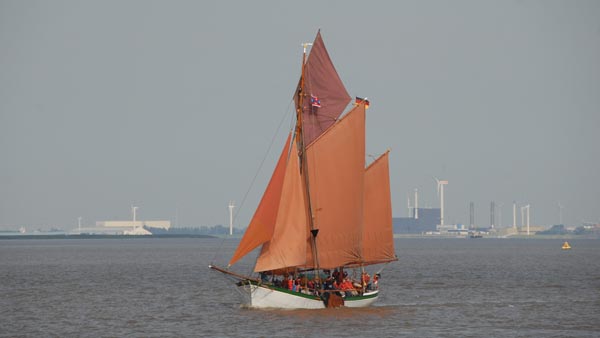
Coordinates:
261 296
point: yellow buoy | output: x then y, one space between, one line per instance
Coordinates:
566 246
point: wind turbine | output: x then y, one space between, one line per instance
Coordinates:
231 206
440 190
416 203
133 211
79 224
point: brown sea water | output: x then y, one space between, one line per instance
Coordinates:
152 287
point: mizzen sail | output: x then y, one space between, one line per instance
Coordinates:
377 236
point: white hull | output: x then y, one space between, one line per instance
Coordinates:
265 297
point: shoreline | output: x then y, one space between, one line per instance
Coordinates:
88 236
396 236
564 237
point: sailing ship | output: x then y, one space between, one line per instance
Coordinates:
325 217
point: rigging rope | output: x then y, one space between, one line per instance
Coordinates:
218 251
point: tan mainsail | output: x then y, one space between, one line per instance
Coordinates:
287 247
377 237
336 162
262 224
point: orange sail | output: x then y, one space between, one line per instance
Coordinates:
261 227
336 164
377 238
287 247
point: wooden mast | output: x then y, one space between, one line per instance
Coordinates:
301 95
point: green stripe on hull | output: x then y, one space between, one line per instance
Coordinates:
313 297
351 298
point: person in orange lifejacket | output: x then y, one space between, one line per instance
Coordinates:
347 287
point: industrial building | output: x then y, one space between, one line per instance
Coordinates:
123 227
165 225
427 220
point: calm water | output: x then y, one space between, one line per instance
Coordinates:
162 287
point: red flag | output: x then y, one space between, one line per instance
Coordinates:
360 100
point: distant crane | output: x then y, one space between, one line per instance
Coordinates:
440 190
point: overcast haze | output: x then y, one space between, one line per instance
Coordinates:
171 105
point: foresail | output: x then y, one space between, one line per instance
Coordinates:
377 238
324 94
287 247
262 224
336 164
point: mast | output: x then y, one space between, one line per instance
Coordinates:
343 143
303 165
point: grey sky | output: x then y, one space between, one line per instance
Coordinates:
171 105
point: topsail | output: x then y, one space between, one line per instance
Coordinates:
324 94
